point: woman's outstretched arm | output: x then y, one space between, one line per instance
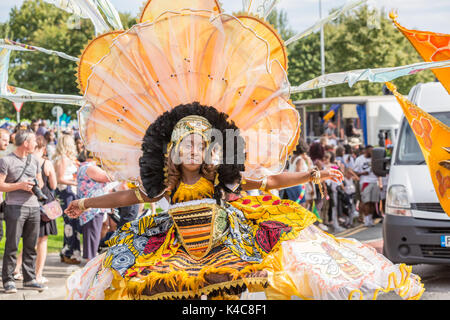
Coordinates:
289 179
111 200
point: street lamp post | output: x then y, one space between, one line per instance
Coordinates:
322 52
57 112
18 107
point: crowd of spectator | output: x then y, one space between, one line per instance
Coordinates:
359 199
36 155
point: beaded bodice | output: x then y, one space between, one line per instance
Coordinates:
199 221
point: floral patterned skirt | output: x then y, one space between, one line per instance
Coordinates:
268 245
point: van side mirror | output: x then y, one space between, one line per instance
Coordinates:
380 163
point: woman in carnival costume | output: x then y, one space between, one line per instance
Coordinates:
192 105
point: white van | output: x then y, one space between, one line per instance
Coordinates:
415 224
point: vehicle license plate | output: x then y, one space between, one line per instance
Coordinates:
445 241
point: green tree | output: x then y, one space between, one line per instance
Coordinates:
304 64
350 43
278 19
303 55
41 24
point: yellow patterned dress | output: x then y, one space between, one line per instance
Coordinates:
253 244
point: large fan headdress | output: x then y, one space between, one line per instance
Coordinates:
175 56
183 52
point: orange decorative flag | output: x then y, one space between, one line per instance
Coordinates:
431 46
434 140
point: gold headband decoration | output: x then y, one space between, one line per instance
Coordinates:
189 125
192 124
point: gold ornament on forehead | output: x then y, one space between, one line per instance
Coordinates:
190 125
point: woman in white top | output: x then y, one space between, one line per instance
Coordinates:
66 169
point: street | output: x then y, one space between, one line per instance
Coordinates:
436 278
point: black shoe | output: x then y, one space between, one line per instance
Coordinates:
10 287
34 285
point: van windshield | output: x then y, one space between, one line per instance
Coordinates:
408 152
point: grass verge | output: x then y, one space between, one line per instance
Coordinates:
55 243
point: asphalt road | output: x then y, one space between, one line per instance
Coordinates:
436 278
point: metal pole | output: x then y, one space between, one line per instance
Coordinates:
58 127
18 117
322 51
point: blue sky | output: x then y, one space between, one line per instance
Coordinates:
430 15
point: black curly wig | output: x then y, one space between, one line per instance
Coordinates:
158 135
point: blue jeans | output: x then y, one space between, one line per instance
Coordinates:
128 214
293 193
72 228
21 222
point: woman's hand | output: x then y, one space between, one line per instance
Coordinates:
73 210
332 174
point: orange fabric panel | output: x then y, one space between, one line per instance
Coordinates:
92 53
432 136
154 8
268 32
432 47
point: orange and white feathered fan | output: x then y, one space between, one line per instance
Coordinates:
182 52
